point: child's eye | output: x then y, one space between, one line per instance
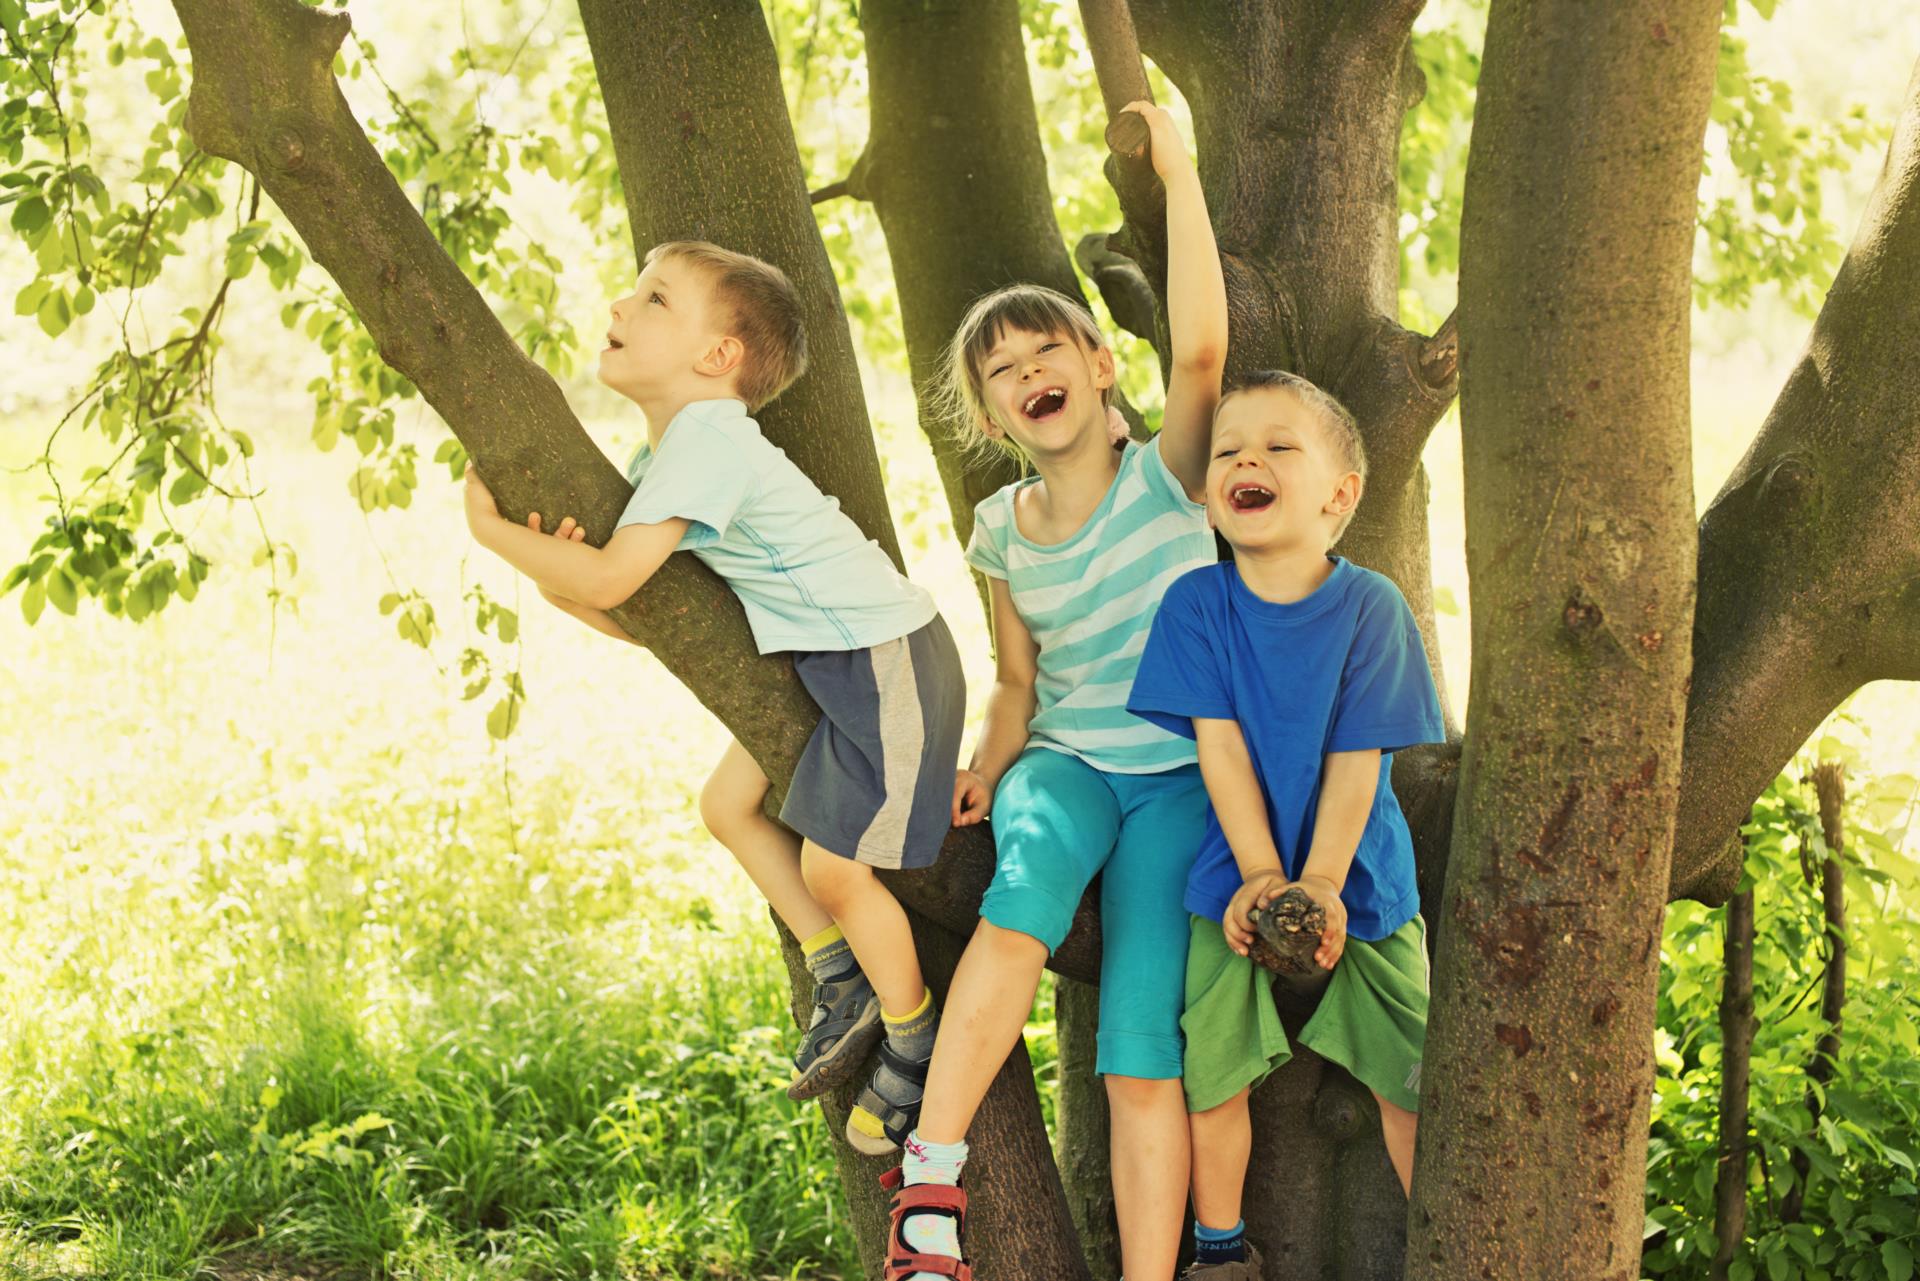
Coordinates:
997 370
657 298
1279 448
1048 346
1228 452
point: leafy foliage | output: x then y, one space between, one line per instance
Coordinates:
1861 1218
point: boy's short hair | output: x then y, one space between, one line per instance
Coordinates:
1337 421
764 313
961 392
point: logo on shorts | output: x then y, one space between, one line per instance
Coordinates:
1413 1079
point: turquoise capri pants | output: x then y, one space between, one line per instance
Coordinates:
1057 823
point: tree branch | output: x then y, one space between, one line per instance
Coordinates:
1809 568
1122 285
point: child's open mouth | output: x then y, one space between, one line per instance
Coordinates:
614 344
1045 404
1249 497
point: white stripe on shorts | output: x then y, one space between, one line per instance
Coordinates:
902 735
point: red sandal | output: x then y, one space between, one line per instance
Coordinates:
922 1198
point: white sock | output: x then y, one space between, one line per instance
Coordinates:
931 1163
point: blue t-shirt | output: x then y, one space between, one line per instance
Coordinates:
1341 670
810 580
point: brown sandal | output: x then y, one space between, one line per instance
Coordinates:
922 1198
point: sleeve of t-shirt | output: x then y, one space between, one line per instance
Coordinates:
987 546
1181 675
698 475
1160 480
1387 698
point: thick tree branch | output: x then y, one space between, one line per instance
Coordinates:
1809 565
1122 285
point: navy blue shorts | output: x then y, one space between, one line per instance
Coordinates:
875 783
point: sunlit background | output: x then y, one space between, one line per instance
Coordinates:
265 875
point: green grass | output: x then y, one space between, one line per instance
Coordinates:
394 1050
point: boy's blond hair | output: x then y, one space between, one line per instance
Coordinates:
763 312
1342 429
960 391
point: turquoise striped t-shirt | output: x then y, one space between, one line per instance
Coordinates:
1089 602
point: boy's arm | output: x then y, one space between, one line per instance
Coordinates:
1241 807
598 619
1003 731
599 577
1346 800
1196 307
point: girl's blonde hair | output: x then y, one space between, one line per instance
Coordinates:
960 391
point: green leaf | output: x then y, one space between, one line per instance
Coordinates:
1898 1259
54 314
504 717
32 601
62 592
28 300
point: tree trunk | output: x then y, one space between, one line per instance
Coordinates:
1082 1132
1830 782
1575 294
1736 1060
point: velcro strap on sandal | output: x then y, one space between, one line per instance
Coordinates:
914 1070
940 1265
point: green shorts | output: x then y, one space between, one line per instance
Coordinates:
1372 1019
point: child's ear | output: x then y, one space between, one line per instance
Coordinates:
722 358
1346 495
1102 368
988 428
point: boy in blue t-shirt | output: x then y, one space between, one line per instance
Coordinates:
707 337
1298 674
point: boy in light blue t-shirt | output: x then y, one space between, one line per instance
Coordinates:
1298 674
706 338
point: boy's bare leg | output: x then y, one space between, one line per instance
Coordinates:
873 922
1149 1159
1399 1126
1222 1145
987 1007
730 807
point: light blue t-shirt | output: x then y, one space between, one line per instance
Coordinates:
1089 601
1342 670
809 578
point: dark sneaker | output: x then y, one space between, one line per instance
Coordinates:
845 1027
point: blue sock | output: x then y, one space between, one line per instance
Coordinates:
1219 1245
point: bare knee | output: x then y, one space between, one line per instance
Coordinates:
832 880
1009 946
1133 1094
730 804
1231 1112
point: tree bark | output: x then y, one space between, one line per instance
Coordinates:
1081 1130
1736 1061
1829 781
1574 307
1809 568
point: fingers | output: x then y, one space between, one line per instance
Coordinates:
533 521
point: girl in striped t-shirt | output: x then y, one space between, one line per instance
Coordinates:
1077 556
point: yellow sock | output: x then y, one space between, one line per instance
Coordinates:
926 1003
831 934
